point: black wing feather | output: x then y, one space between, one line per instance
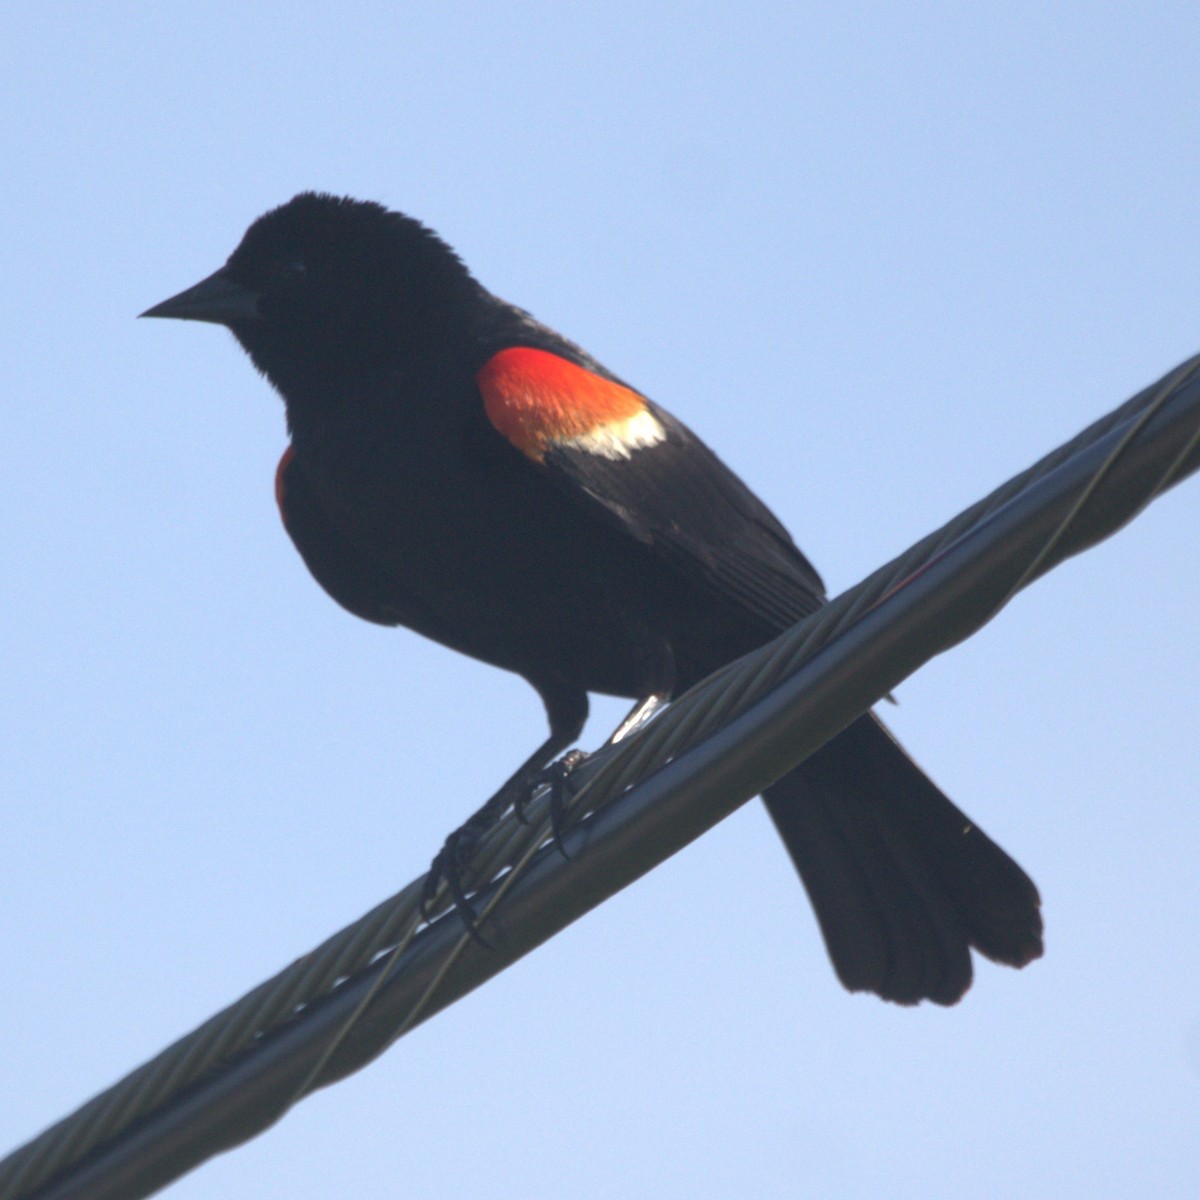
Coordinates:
681 498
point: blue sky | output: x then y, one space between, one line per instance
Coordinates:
881 256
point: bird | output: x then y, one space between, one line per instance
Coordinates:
456 467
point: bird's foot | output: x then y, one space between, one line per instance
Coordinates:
557 777
455 857
449 865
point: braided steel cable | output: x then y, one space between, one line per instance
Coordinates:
150 1127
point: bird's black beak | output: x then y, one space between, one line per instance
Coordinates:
217 299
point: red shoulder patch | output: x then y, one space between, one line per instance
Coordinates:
280 487
538 400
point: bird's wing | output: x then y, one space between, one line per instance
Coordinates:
609 447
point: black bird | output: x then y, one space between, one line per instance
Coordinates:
459 468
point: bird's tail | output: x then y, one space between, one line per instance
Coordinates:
903 883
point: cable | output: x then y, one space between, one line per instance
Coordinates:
338 1007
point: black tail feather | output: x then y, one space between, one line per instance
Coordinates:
903 883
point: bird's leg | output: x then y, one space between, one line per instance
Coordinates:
567 711
662 684
557 774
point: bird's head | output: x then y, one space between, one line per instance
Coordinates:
324 287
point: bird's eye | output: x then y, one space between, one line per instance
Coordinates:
289 271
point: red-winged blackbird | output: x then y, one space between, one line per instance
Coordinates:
457 467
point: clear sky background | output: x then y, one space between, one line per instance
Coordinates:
881 256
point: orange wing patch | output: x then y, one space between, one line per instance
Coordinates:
538 401
280 489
